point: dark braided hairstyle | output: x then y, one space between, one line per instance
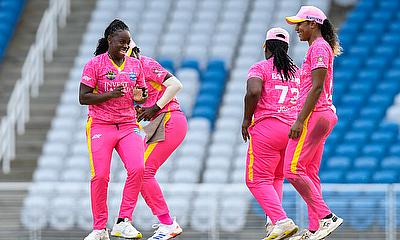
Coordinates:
282 62
329 34
116 25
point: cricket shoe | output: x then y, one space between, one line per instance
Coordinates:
125 229
98 235
283 229
165 232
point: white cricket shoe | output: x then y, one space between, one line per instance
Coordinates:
98 235
327 226
304 234
125 229
165 232
283 229
268 228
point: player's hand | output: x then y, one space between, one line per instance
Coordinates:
148 113
139 94
138 109
296 129
245 129
117 92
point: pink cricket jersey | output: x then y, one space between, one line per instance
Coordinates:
319 55
155 74
278 98
103 75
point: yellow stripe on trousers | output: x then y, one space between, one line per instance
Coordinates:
251 160
299 147
89 139
151 147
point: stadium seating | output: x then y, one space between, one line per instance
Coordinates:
209 45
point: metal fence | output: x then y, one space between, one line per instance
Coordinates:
370 212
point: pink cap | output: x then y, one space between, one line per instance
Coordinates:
278 34
307 13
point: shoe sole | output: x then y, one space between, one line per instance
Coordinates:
119 235
284 236
338 225
174 235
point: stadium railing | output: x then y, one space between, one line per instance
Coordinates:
208 211
31 78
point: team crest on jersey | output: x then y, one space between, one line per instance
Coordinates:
320 59
132 76
110 75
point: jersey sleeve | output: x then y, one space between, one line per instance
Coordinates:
89 75
255 71
140 82
319 57
154 71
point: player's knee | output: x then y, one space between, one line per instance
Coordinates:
135 170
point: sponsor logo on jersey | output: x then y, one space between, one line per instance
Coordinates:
110 75
132 76
96 136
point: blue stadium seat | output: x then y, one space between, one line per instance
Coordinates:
387 51
391 39
383 137
207 99
214 76
342 74
366 39
341 163
377 150
191 63
394 27
385 176
212 88
356 138
375 27
378 62
372 112
359 15
392 75
364 125
347 149
358 176
389 127
388 89
395 63
380 100
394 150
388 5
205 112
216 64
370 75
357 52
347 113
382 16
353 99
167 63
366 163
391 163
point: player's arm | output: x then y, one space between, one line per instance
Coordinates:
87 97
318 79
173 86
253 93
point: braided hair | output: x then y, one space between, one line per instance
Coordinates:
282 62
329 34
116 25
